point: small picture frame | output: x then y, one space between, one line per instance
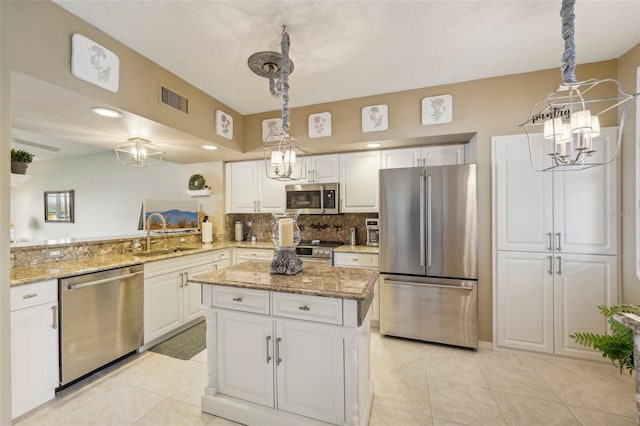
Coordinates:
375 118
271 129
224 125
437 110
320 125
94 63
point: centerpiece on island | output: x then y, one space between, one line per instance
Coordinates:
286 236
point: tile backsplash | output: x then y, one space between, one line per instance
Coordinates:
312 227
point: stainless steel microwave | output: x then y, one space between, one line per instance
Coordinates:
313 198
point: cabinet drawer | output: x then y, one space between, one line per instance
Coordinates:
175 264
219 255
241 299
254 254
25 296
311 308
365 260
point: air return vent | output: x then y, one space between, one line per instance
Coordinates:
174 100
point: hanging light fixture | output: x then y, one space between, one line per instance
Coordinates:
569 117
139 152
283 153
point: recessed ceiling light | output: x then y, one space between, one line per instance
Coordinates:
106 112
210 147
373 145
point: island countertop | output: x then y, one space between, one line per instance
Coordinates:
316 280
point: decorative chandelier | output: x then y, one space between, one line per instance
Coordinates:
283 153
139 152
570 116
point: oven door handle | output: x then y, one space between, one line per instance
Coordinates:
102 281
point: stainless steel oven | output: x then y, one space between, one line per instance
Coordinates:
317 251
313 198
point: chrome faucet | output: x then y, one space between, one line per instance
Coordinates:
164 227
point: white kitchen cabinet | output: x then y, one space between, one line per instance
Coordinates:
323 168
438 155
34 345
169 300
264 345
359 182
249 190
362 260
572 212
221 258
555 235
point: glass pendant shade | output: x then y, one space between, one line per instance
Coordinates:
139 152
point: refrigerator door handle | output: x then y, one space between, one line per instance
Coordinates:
421 220
322 198
428 221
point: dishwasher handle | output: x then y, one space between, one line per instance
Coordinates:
102 281
452 287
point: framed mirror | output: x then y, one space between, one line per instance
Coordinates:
58 206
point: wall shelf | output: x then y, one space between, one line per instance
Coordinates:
17 180
199 192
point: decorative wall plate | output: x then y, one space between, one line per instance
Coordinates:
375 118
437 110
94 63
271 127
320 125
224 124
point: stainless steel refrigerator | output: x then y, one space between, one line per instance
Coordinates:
428 254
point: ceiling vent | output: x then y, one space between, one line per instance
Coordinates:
174 100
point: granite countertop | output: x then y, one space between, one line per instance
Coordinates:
316 280
357 249
55 270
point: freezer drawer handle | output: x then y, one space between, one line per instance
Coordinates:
304 308
102 281
452 287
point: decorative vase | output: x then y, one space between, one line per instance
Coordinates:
293 238
19 168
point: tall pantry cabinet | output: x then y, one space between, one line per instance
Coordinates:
555 246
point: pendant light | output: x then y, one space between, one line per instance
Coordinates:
139 152
570 116
283 153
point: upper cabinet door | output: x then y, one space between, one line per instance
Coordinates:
242 187
359 182
271 197
586 204
324 169
400 158
442 155
523 201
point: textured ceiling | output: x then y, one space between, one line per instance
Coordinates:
349 49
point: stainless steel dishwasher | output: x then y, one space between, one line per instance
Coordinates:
101 319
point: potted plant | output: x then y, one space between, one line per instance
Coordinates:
617 346
20 161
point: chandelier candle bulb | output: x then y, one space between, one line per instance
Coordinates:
286 232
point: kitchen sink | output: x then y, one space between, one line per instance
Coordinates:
165 251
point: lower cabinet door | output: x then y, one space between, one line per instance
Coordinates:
193 293
582 283
34 356
309 370
245 357
162 304
524 301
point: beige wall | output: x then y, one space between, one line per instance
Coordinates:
627 66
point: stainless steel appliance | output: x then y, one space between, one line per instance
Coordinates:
317 251
428 254
313 198
373 232
101 319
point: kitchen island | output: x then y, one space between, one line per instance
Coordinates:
288 349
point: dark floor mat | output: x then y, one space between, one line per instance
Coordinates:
185 345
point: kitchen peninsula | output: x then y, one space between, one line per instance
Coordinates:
288 349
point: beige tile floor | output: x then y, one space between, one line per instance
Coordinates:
415 384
